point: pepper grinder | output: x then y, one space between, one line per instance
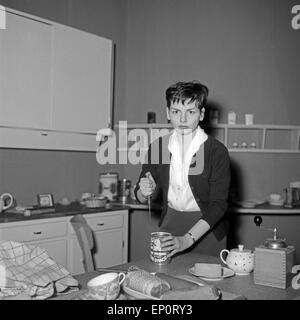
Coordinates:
273 261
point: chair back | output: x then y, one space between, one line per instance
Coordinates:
85 238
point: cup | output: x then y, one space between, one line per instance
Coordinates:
106 286
3 198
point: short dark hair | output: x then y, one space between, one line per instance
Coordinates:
184 91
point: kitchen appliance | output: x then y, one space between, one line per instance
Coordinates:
108 185
273 262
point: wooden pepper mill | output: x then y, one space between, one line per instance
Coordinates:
273 261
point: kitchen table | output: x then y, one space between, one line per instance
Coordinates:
232 287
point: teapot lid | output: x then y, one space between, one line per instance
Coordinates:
241 249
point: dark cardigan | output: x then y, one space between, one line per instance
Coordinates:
209 179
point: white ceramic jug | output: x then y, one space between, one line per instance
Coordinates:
2 201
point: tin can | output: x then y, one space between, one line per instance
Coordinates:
156 255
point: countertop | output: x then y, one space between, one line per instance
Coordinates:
76 207
61 211
234 286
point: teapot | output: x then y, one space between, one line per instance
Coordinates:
2 201
240 260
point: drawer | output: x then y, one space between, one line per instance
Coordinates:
34 231
104 223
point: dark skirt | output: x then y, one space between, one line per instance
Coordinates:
180 222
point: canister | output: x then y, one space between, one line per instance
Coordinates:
108 185
156 255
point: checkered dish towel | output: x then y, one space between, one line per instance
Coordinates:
28 269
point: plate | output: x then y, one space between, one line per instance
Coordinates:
226 273
251 203
137 294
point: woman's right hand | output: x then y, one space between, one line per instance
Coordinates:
147 185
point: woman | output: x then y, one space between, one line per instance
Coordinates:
194 184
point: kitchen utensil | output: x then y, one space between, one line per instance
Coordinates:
226 273
95 202
108 185
273 262
240 260
3 199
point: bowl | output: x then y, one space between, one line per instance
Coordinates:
95 202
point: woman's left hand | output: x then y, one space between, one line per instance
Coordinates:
176 244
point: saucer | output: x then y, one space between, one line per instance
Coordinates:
276 203
226 273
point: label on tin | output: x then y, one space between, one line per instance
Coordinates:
156 255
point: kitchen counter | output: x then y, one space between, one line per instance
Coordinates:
231 287
61 211
266 208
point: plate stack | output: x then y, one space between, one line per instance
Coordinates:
272 267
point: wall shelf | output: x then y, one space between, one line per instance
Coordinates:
266 137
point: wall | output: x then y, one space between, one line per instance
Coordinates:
25 173
247 54
245 51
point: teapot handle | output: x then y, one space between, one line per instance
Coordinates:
221 255
8 195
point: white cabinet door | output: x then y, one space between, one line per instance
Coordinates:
56 249
82 74
108 251
25 72
109 248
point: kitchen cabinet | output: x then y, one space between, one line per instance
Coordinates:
110 231
25 72
56 235
50 234
55 85
81 91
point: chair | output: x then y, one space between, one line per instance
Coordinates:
86 241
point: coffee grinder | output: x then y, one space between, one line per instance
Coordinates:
273 261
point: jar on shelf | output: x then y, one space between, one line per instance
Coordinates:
235 145
231 117
244 145
252 145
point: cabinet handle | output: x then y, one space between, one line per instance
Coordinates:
100 224
37 232
45 134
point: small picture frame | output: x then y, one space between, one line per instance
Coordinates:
45 200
